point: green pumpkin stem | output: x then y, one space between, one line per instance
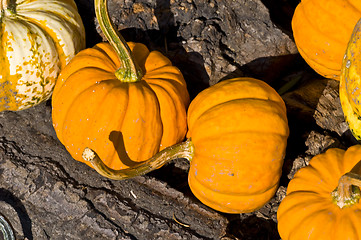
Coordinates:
348 193
129 70
6 229
180 150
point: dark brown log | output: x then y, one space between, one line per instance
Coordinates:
45 193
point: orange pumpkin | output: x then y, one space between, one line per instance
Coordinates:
239 130
126 110
321 29
322 201
236 143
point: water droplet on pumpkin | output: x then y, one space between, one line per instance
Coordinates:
348 63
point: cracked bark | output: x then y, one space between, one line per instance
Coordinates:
209 40
60 198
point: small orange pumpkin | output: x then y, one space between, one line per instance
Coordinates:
239 129
321 29
236 143
126 110
322 201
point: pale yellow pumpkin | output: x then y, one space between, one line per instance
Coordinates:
37 39
350 83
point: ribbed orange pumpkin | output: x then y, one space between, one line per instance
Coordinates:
322 201
102 103
238 133
239 129
321 29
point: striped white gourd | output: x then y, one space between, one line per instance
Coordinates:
37 39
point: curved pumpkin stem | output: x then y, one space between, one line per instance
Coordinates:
348 191
129 70
6 229
180 150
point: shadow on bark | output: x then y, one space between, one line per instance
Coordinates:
281 13
13 201
165 40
